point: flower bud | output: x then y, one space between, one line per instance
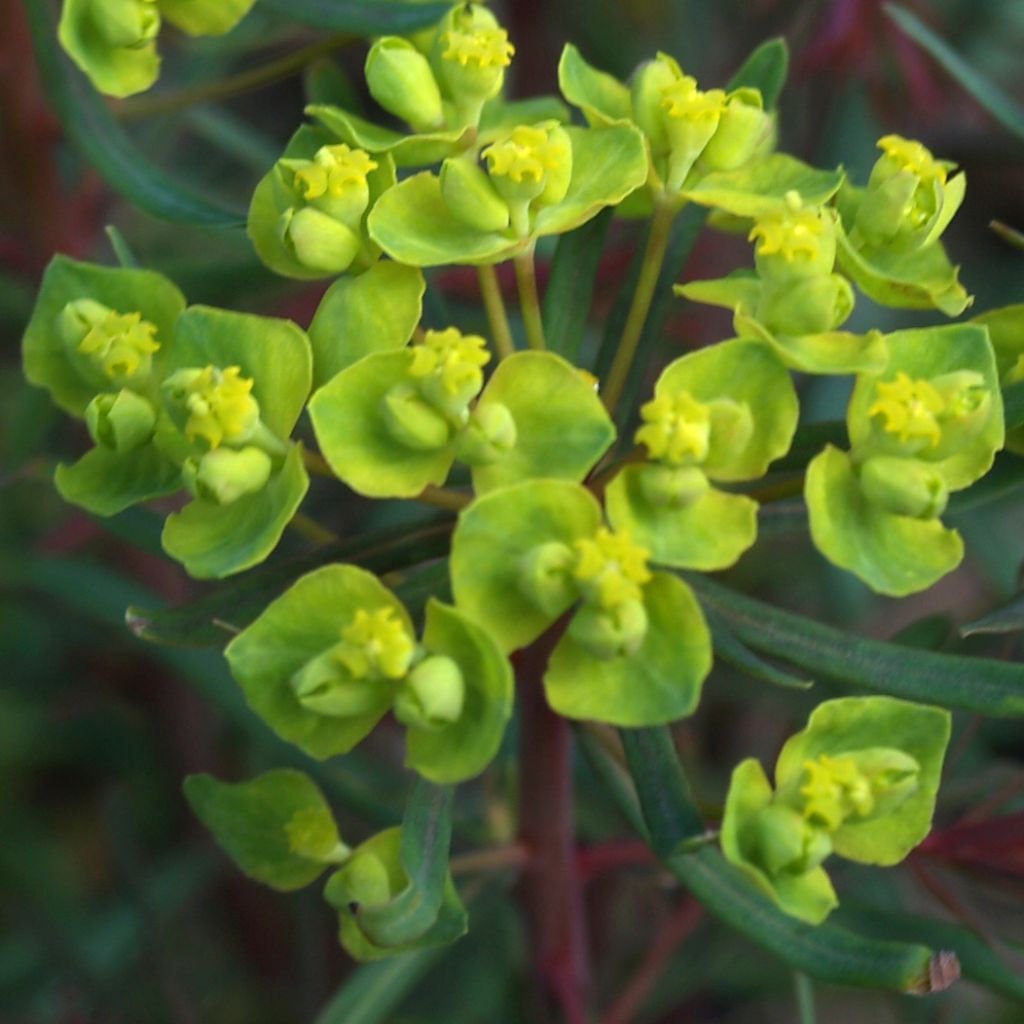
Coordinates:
691 118
413 421
106 346
224 475
472 54
743 127
608 633
545 577
795 241
401 81
786 841
650 80
667 486
120 422
318 240
212 405
489 435
432 696
364 880
810 305
335 181
471 197
125 24
904 487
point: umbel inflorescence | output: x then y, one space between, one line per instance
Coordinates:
568 533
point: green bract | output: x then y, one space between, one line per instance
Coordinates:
636 649
114 41
860 781
307 218
541 180
723 413
931 423
394 422
327 659
1006 332
277 827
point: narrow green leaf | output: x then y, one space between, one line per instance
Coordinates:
765 69
669 810
1009 114
122 250
426 836
89 124
369 18
1007 619
729 649
571 284
214 618
981 685
1013 404
1005 477
374 991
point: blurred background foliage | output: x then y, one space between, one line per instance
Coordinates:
114 904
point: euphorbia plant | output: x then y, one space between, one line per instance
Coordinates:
564 538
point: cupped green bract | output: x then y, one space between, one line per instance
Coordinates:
106 482
213 541
807 894
1006 332
300 625
372 877
658 683
44 351
929 353
461 750
492 545
350 421
278 828
413 224
602 97
893 554
923 279
121 68
205 17
851 724
562 429
273 198
374 312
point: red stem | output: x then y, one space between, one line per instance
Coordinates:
551 887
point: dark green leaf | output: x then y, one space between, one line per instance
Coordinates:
90 125
370 18
1013 404
1007 619
739 656
214 618
809 440
1005 477
426 836
571 284
984 90
765 69
981 685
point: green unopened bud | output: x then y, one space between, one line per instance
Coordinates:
226 474
489 435
795 241
105 346
432 696
401 81
667 486
648 86
121 422
742 130
904 487
809 305
786 841
412 421
318 240
608 633
471 197
364 880
545 577
125 24
691 118
471 56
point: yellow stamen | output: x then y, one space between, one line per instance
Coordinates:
611 568
482 48
527 153
677 429
334 170
912 156
911 409
376 644
835 789
455 357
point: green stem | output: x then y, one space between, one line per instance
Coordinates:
654 256
529 300
312 530
233 85
443 497
804 998
494 304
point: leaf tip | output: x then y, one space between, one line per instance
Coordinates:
943 969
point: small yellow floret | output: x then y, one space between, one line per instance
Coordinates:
376 644
677 429
221 406
612 567
835 789
528 153
682 99
121 344
792 232
911 409
335 171
481 48
912 156
455 357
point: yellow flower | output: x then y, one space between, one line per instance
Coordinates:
456 358
835 789
908 155
120 345
525 155
910 408
610 568
219 404
478 48
683 100
375 644
677 429
334 170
